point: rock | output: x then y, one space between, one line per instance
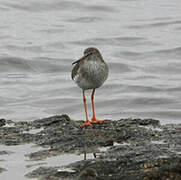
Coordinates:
88 174
14 136
2 122
124 149
5 152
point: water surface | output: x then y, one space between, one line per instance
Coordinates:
140 40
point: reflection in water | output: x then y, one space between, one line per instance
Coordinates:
85 155
92 145
86 150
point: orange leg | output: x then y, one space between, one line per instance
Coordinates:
94 120
87 122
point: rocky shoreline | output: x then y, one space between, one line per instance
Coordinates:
123 149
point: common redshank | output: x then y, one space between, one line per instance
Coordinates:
90 72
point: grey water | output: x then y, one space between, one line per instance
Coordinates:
139 39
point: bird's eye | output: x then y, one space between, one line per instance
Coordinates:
88 54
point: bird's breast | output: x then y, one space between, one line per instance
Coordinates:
95 72
90 75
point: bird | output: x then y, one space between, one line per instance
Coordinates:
89 73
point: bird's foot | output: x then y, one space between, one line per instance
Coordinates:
95 121
87 123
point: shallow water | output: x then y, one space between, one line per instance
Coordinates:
15 162
17 165
140 40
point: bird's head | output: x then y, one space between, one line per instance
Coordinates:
90 54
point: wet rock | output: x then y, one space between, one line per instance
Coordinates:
5 152
44 173
2 122
36 164
138 149
124 149
14 136
88 173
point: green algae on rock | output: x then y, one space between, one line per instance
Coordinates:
2 169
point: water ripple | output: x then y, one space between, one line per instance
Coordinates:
46 6
20 65
85 19
157 24
115 41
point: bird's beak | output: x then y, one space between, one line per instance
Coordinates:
81 59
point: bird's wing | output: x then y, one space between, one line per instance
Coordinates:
75 70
